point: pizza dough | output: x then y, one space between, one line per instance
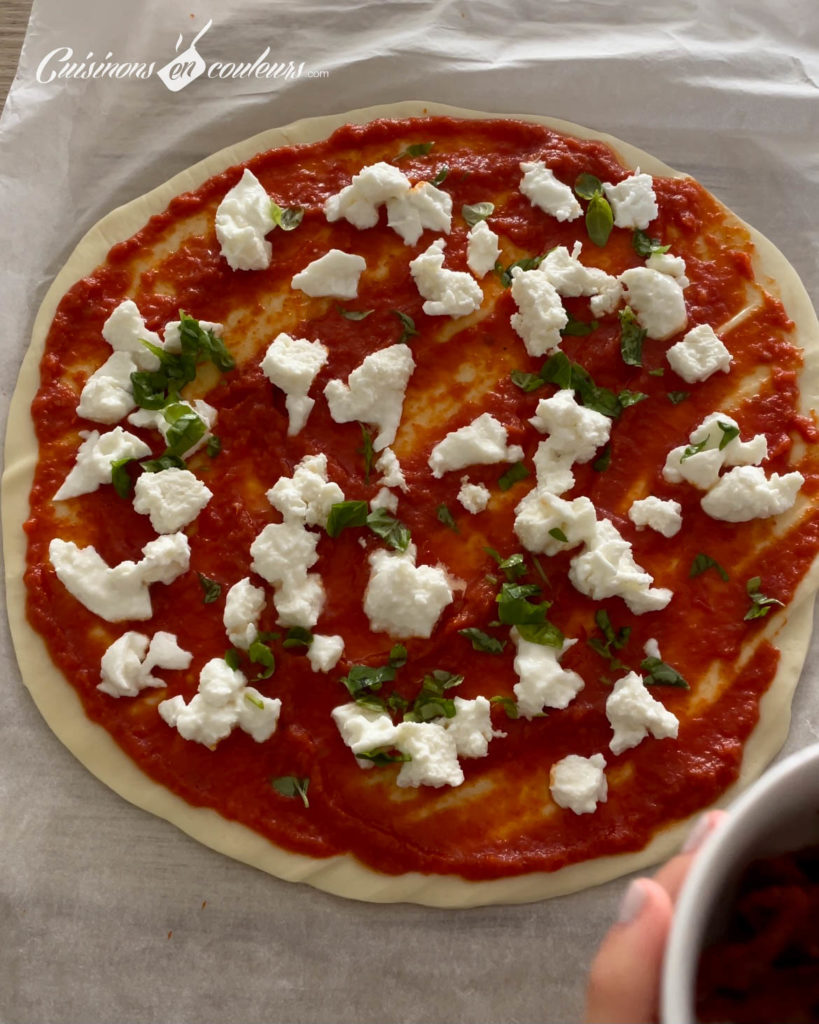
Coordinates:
344 875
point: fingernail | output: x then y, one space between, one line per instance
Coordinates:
633 901
700 832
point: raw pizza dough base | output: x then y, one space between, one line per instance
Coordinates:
343 875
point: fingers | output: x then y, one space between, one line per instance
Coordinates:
673 873
625 974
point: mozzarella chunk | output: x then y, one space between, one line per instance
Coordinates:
447 292
93 465
127 665
389 467
108 395
292 364
573 429
423 207
402 598
606 568
359 201
120 592
657 301
243 218
223 701
544 190
543 520
433 756
541 316
664 516
281 554
324 652
172 498
335 275
374 392
633 201
579 783
666 263
384 498
125 331
634 713
173 333
244 605
308 495
701 461
364 729
471 727
571 278
481 442
482 249
543 682
473 497
163 419
745 493
699 355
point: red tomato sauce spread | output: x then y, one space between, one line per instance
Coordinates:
501 821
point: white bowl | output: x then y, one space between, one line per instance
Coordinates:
778 813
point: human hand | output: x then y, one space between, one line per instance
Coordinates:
624 979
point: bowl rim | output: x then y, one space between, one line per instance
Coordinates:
727 844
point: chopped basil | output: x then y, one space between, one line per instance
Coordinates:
408 324
476 212
346 513
391 530
414 149
441 176
292 786
628 398
760 603
163 462
297 636
384 756
362 678
121 478
515 609
645 246
632 336
559 370
211 589
482 641
398 656
527 382
185 428
286 218
260 654
366 451
526 263
512 567
675 397
702 563
232 659
431 702
255 701
516 472
214 446
445 516
603 460
599 216
558 534
612 640
354 314
729 432
658 673
509 705
695 449
578 328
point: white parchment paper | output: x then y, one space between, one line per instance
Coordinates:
107 914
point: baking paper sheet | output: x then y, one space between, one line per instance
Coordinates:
108 914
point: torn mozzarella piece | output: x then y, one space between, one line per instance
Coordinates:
701 461
244 605
575 431
699 355
543 682
374 392
423 207
481 442
125 331
473 497
547 524
389 467
540 317
243 218
664 516
579 783
471 726
128 663
634 713
657 301
433 756
95 456
292 364
482 249
120 592
108 394
404 599
359 201
333 275
745 493
571 279
172 498
281 554
307 496
544 190
452 293
324 652
632 201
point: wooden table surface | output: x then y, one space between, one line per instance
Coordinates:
13 20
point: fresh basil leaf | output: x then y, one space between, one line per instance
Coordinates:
526 263
760 603
482 641
603 460
286 218
121 478
644 246
232 658
408 324
366 451
163 462
201 345
211 589
186 429
632 336
361 678
558 534
391 530
509 705
431 702
578 328
260 654
695 449
516 472
444 516
629 398
346 513
384 756
702 563
587 186
257 702
675 397
560 370
297 636
658 673
292 786
474 213
398 656
729 432
440 177
414 149
599 220
612 640
512 567
515 609
527 382
354 314
213 446
370 701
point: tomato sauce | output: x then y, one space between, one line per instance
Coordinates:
501 821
